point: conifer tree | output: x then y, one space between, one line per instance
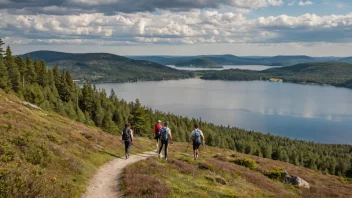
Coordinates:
4 77
138 119
14 73
30 74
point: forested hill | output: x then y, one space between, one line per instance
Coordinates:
228 59
332 73
104 67
199 62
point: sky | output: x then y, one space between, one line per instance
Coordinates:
179 27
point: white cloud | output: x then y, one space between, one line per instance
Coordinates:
191 27
291 3
304 3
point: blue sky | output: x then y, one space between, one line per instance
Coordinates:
179 27
318 7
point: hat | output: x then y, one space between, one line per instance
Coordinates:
159 121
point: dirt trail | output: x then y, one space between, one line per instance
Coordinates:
105 184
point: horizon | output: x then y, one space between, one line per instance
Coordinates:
317 28
163 55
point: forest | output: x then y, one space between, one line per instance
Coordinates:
331 73
54 90
103 67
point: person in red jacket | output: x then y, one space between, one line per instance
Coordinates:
157 135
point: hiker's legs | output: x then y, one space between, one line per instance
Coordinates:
157 143
166 143
194 150
127 148
161 147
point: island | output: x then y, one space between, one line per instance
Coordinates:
199 63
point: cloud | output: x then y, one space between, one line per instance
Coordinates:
110 7
291 3
167 27
301 3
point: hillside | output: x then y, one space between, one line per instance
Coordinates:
217 173
43 154
332 73
103 67
198 62
228 59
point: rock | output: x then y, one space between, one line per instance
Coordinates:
299 182
30 105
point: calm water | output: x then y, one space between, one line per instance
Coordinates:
249 67
308 112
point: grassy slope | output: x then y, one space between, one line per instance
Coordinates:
43 154
180 176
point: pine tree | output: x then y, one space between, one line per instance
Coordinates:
21 65
42 74
14 73
138 119
30 74
1 49
4 77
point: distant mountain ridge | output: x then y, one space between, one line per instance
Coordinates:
105 67
228 59
198 62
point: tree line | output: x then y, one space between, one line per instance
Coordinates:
54 90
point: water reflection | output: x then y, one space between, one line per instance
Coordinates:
297 111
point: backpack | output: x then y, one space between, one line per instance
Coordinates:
157 130
164 133
196 137
126 135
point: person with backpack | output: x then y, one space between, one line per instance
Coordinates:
198 138
165 137
127 138
157 134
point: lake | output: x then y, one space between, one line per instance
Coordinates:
305 112
249 67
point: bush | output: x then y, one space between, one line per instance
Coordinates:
276 174
181 166
6 154
38 155
220 157
205 166
249 163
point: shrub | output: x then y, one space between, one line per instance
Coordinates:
181 166
276 174
205 166
38 155
220 180
249 163
220 157
54 138
6 154
149 187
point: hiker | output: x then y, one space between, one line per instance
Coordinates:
165 137
198 138
157 131
127 138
